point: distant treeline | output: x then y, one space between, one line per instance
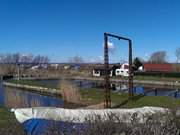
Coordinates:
23 58
9 61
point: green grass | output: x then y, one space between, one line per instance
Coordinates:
95 96
9 124
156 78
5 114
149 77
158 101
92 95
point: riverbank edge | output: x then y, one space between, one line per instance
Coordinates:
39 89
135 81
142 81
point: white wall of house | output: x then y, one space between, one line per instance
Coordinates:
67 67
55 66
140 68
123 71
111 73
34 67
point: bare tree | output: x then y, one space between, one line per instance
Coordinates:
26 58
16 57
41 59
177 54
158 57
9 61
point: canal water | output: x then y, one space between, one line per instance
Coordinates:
116 87
17 98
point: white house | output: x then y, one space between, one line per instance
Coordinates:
35 67
54 66
66 67
123 71
96 72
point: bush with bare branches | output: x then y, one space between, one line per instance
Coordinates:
70 92
156 124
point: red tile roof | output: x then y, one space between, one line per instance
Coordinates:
158 67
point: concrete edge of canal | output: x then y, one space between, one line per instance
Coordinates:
34 88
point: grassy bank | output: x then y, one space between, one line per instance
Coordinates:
95 96
156 78
9 124
149 77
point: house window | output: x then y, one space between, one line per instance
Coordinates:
126 66
96 72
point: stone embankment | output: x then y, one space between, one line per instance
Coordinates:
34 88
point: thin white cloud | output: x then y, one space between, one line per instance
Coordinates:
111 47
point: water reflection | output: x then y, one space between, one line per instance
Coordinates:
15 98
148 91
79 83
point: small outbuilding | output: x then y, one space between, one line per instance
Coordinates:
97 72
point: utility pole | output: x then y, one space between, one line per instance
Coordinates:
107 92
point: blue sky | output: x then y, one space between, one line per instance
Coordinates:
62 29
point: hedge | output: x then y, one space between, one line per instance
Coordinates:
158 74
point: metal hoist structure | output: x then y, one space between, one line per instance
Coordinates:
107 91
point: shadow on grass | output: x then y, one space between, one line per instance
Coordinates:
134 98
71 105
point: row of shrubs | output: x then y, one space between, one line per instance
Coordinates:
158 74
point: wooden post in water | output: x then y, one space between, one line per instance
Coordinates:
155 90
